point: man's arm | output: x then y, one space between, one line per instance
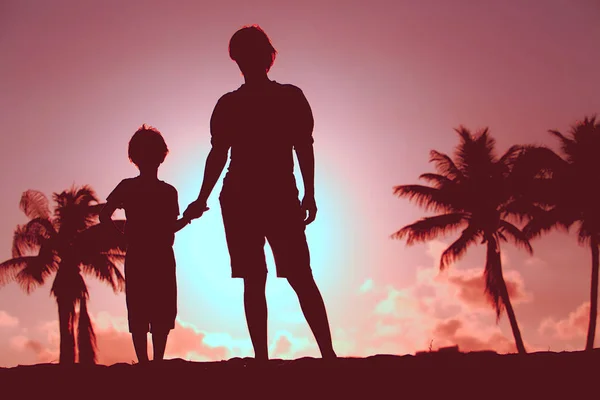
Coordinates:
217 157
303 144
306 160
215 163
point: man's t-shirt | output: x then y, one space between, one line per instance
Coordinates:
262 125
151 210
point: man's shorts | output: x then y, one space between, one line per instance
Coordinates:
281 223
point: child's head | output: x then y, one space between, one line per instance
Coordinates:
147 148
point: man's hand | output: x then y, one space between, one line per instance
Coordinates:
309 206
195 210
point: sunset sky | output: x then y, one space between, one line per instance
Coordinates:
387 83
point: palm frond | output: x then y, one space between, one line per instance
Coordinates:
104 267
35 204
43 226
76 209
475 154
511 155
31 236
533 160
25 242
458 248
518 238
567 145
437 180
430 227
444 165
543 221
429 198
35 272
9 269
585 232
101 238
85 195
465 134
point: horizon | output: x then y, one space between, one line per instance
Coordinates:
386 83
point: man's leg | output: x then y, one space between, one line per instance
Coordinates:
255 305
159 343
314 311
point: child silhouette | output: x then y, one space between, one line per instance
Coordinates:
151 210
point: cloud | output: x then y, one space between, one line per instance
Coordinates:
535 262
575 325
40 350
441 309
185 341
454 332
287 346
115 344
471 287
7 320
366 286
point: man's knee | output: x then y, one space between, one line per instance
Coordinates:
302 282
255 282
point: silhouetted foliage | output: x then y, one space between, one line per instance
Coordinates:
472 192
558 192
65 243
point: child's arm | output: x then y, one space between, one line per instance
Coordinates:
181 222
113 201
106 215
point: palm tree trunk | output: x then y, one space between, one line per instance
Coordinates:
494 251
593 296
67 339
86 338
513 320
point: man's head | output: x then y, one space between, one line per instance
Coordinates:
252 50
147 148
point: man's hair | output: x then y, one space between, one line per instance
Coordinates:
251 43
147 146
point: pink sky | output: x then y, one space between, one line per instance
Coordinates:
387 83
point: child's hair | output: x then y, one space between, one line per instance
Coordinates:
147 146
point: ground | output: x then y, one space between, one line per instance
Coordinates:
544 375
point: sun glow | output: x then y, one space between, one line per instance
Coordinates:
204 274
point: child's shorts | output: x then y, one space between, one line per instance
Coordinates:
150 288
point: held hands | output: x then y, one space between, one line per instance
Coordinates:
309 206
195 210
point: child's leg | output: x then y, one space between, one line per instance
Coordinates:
159 343
140 343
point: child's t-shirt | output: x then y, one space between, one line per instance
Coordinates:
151 209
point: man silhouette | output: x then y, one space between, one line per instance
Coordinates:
262 122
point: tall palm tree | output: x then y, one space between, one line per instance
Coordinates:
65 243
559 192
472 192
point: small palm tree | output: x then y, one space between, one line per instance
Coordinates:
65 244
559 192
471 192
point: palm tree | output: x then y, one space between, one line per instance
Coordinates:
472 192
65 244
558 192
